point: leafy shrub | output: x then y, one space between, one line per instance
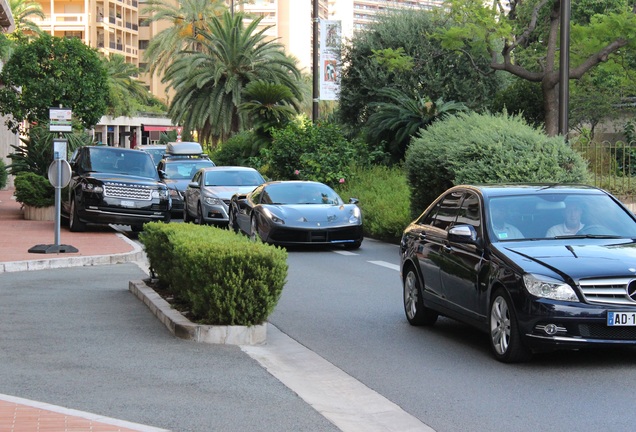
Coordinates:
34 190
476 148
237 150
384 200
3 174
306 151
225 278
36 152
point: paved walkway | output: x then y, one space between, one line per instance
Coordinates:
97 246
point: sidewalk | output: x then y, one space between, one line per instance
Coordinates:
99 245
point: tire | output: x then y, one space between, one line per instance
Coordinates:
186 216
505 339
199 218
232 220
74 222
416 312
254 230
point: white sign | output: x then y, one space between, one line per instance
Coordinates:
330 37
60 120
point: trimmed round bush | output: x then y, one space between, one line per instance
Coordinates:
472 148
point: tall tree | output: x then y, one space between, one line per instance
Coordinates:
125 92
209 83
52 72
23 11
187 18
524 39
397 51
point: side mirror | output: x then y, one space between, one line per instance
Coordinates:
463 234
354 200
193 184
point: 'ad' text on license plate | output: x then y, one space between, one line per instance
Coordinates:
621 318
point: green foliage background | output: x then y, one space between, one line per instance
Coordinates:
476 148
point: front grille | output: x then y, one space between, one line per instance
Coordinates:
125 191
601 331
316 236
607 291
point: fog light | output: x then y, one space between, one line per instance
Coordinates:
550 329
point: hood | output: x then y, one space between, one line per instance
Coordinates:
313 214
121 178
604 258
226 192
180 185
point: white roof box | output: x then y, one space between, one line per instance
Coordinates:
184 148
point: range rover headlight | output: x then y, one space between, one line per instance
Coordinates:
546 287
89 187
160 193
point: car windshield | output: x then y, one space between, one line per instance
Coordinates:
554 216
300 193
156 153
185 169
110 160
233 178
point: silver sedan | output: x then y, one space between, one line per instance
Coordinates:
207 196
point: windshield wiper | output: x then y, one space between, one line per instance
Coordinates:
593 236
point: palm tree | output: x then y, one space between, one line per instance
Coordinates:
398 119
23 11
267 106
187 17
124 89
209 84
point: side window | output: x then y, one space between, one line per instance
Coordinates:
197 178
447 211
470 212
256 196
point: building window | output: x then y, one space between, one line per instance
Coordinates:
143 44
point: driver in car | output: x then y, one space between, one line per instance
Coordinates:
571 223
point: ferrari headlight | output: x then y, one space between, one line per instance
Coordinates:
354 218
212 201
89 187
543 286
272 216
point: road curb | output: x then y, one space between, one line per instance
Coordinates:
183 328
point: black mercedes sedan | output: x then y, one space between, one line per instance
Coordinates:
111 185
536 267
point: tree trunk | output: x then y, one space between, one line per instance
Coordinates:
551 106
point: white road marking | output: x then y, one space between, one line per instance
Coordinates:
386 264
346 253
343 400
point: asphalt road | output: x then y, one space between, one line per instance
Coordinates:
347 307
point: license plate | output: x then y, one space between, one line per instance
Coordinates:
127 203
621 318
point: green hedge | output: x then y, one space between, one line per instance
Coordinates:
476 148
223 277
34 190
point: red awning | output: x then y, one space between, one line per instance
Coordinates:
150 128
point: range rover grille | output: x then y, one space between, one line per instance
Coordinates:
118 190
618 291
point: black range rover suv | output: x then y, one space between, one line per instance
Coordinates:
112 185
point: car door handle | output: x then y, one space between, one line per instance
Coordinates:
447 248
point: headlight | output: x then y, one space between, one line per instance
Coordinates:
355 216
161 193
273 217
543 286
89 187
212 201
175 194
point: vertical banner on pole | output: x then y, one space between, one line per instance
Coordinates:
330 38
